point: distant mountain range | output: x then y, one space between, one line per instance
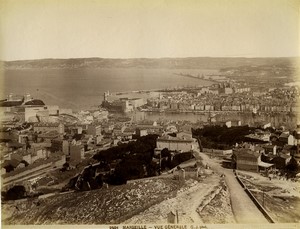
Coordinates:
178 63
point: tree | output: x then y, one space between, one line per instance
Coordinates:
181 157
66 165
16 192
292 167
165 153
135 159
99 180
221 137
164 164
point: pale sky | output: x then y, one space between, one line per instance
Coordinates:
36 29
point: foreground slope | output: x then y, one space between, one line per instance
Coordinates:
103 206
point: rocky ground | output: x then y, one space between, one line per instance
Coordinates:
141 201
218 210
104 206
194 205
281 198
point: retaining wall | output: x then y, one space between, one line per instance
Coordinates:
255 201
13 178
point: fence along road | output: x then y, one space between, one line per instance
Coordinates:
244 210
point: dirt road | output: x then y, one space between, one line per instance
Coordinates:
243 208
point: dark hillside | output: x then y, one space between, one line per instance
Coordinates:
177 63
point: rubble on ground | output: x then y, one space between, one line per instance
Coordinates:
280 198
218 210
185 204
112 205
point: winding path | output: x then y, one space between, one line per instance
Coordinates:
243 208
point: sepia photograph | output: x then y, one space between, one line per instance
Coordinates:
139 114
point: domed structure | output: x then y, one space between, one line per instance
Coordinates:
34 102
15 101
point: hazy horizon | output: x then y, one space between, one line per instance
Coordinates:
135 58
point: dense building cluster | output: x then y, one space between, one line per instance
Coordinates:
222 97
37 139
